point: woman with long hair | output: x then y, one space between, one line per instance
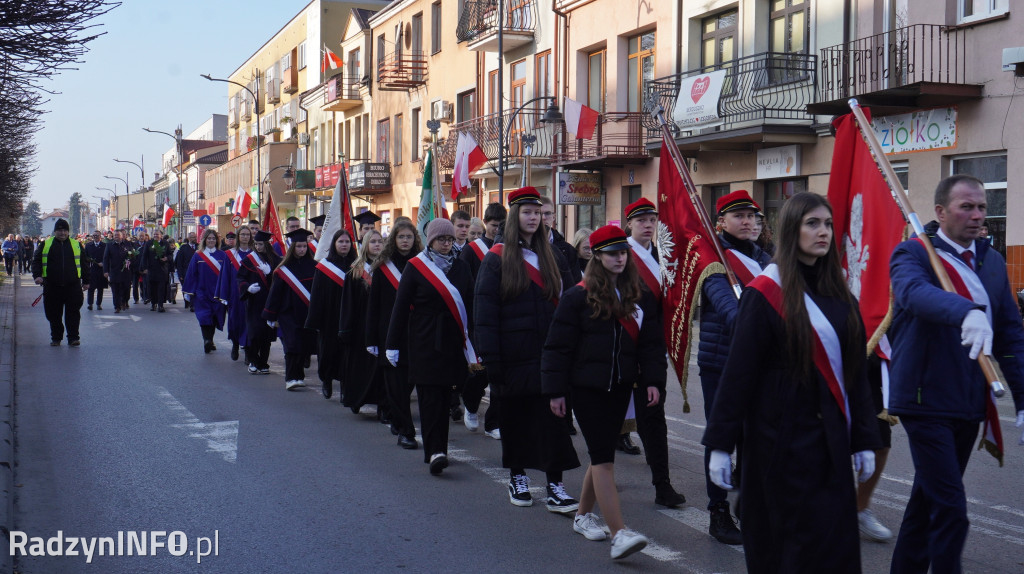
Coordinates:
228 293
255 277
402 245
517 289
795 387
361 382
431 320
606 337
581 241
325 309
200 287
288 305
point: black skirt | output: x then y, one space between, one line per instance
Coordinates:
533 437
600 414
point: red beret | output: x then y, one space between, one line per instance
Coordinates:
739 199
640 207
608 238
524 195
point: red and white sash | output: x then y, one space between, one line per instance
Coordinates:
312 245
294 283
451 297
649 269
211 261
392 273
235 257
256 263
631 323
744 267
532 263
333 271
479 248
828 351
367 273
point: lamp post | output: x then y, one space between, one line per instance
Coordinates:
551 117
256 108
289 181
177 142
128 198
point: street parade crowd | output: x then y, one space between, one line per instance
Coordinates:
569 335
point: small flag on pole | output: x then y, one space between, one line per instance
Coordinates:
243 202
168 214
330 61
468 158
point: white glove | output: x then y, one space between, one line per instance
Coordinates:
187 297
372 350
272 324
265 267
392 355
1020 423
225 302
720 469
254 288
864 464
976 333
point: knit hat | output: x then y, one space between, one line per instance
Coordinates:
61 224
439 228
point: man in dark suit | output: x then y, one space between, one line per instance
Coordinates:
97 283
183 257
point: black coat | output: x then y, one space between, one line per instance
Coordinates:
114 258
423 324
94 253
286 307
182 258
799 508
379 309
156 267
360 367
469 256
584 352
256 328
569 254
324 316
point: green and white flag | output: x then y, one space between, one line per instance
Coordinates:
431 200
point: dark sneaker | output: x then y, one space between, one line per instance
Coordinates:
625 444
665 495
55 342
519 490
74 342
560 502
456 413
438 462
264 370
407 443
723 528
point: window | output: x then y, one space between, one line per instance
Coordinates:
466 106
354 65
591 216
631 193
417 46
776 192
596 62
640 69
357 140
435 27
493 92
286 61
381 46
365 145
990 169
971 10
542 80
518 92
302 55
719 39
397 160
414 141
383 140
788 26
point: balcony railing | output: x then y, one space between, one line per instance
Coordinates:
402 71
342 94
290 80
480 19
485 130
771 87
618 139
921 53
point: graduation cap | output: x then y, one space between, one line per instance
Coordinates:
318 220
301 235
263 236
367 218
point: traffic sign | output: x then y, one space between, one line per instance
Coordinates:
236 221
139 229
188 218
205 219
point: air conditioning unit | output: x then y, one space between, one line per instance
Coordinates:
442 111
303 138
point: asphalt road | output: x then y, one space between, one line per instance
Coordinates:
138 430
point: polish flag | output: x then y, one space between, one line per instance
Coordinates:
136 222
579 119
330 61
468 158
243 202
168 214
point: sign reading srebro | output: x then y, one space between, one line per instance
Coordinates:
579 188
923 130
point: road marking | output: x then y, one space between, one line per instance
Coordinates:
220 437
695 518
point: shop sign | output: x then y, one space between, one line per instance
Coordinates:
776 162
697 102
923 130
579 188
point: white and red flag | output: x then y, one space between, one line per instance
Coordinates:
468 158
331 61
579 119
243 202
168 214
339 215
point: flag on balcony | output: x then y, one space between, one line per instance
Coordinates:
339 214
432 204
579 119
136 222
468 158
243 202
687 258
168 214
330 61
272 225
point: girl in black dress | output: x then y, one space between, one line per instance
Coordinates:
288 306
361 382
325 309
255 276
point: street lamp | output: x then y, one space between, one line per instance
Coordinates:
552 117
256 108
289 181
177 142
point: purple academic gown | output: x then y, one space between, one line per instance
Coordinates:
227 290
201 284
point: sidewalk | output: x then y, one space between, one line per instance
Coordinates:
7 339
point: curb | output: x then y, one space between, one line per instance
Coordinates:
8 291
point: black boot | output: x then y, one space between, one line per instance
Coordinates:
723 528
208 346
625 444
234 351
326 388
665 495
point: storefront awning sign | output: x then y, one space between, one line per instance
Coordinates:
697 102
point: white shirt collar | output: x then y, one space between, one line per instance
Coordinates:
959 248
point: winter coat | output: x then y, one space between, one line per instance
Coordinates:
378 312
114 258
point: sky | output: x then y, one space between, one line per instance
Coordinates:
144 73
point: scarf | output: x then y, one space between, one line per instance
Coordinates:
443 262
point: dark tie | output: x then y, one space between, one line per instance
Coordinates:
968 258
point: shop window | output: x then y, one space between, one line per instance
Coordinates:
776 193
991 170
591 216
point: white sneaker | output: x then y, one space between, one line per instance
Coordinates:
290 385
495 434
588 526
472 421
871 528
627 542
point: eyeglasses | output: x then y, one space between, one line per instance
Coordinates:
445 239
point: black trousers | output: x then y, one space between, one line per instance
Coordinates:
709 386
434 402
396 380
157 292
119 292
473 393
99 295
9 262
258 353
63 308
294 366
653 431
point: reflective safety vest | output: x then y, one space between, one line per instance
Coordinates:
76 248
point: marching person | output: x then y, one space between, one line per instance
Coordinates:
318 229
200 287
557 240
462 222
254 279
606 337
937 389
139 282
366 221
28 249
10 249
57 266
642 224
94 251
325 310
581 241
361 381
183 257
794 390
288 305
737 219
116 263
155 260
228 294
402 245
517 289
431 320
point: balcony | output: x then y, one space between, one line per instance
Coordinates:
618 140
290 80
233 116
485 129
273 90
342 94
764 99
919 66
402 71
246 109
479 21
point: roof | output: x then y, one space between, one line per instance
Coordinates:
214 158
362 17
189 146
55 213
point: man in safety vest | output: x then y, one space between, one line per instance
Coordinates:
57 266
